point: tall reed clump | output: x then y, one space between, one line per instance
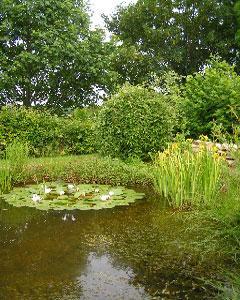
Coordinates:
187 177
16 155
5 180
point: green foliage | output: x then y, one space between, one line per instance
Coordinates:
237 13
212 98
87 169
130 64
69 197
5 180
188 178
49 56
179 35
16 157
170 85
48 134
135 122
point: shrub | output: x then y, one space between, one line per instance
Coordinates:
39 129
47 134
78 135
212 97
135 122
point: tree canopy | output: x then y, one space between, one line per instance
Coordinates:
49 55
177 34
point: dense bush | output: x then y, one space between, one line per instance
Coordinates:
135 122
47 134
212 97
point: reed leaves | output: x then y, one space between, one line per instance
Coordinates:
187 177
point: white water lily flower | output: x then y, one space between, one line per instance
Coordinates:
104 197
111 193
61 193
96 190
47 190
36 198
70 186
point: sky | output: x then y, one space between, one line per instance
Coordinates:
106 7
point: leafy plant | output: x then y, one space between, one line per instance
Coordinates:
135 122
47 134
186 177
69 197
212 98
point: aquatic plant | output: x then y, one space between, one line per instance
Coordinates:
188 177
16 155
5 180
82 197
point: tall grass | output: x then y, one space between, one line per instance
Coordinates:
12 166
5 180
187 177
16 155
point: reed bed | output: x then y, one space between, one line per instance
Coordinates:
187 177
16 155
5 180
11 168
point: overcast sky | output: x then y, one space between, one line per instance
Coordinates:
106 7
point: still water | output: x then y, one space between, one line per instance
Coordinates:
141 251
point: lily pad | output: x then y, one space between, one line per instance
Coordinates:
81 197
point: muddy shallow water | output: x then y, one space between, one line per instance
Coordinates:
141 251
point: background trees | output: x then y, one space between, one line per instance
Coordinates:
178 35
49 55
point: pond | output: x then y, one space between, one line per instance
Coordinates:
140 251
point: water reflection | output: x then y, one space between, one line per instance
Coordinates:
102 280
121 253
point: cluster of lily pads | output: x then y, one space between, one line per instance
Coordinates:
63 196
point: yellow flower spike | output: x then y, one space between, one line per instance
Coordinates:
216 155
214 148
167 151
189 141
174 146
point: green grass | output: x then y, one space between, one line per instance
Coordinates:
87 169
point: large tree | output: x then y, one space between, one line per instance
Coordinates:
49 55
177 34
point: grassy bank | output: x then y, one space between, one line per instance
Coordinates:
87 169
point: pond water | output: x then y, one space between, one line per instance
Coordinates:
140 251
